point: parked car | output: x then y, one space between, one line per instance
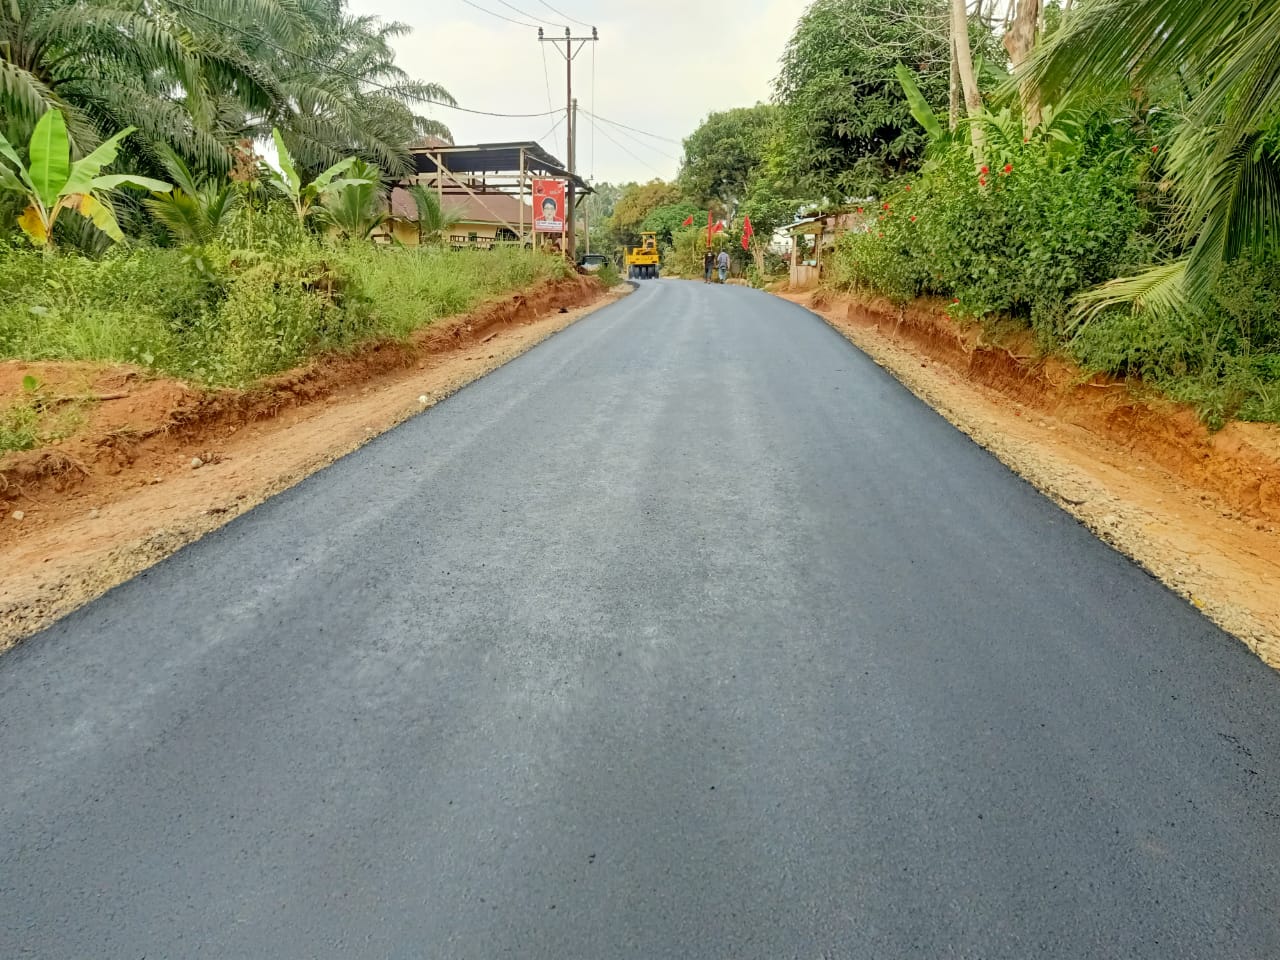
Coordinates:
592 262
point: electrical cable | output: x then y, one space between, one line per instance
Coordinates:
647 146
519 23
627 151
564 15
531 16
546 77
656 136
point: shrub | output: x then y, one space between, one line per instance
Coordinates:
227 316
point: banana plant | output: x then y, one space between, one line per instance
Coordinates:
288 182
355 210
52 183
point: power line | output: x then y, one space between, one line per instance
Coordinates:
554 127
605 133
519 23
546 78
656 136
404 95
648 146
531 16
565 15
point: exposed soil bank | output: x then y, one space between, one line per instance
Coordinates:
158 463
1200 510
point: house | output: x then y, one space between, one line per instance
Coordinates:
483 220
487 186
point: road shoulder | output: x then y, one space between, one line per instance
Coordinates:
1199 511
194 461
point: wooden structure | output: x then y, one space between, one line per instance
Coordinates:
488 185
812 239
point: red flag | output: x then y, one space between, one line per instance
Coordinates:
708 229
747 233
718 227
688 221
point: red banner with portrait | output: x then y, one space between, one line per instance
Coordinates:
548 206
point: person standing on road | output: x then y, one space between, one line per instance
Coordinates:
708 262
723 262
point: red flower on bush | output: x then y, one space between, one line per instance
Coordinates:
881 234
982 181
907 188
886 206
1156 148
985 169
913 219
955 299
1008 168
859 209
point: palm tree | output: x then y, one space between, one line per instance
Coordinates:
196 209
1223 159
108 64
202 74
434 220
346 94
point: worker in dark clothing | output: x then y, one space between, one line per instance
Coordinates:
708 264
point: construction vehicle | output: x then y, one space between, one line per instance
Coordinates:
642 261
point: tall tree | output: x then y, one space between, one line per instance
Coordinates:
200 75
847 128
968 79
637 201
1020 41
722 154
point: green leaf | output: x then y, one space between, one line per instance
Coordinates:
8 181
292 180
919 106
10 154
83 171
323 181
113 180
50 157
30 384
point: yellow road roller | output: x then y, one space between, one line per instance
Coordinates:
642 261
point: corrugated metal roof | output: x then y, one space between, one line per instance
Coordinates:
493 158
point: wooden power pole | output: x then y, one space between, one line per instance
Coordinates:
570 52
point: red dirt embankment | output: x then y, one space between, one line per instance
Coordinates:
156 463
1199 509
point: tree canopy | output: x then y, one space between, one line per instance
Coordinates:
847 127
637 201
723 153
200 75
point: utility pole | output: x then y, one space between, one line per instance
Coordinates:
571 116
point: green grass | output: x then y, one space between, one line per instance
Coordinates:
221 316
19 426
410 287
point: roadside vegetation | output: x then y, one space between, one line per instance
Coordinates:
1104 173
139 222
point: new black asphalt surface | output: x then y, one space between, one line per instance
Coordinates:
689 634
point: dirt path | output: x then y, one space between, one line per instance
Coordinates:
160 464
1200 511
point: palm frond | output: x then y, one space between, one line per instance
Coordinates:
1160 290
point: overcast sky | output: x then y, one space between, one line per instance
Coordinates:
660 66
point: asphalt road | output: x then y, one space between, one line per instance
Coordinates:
689 634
